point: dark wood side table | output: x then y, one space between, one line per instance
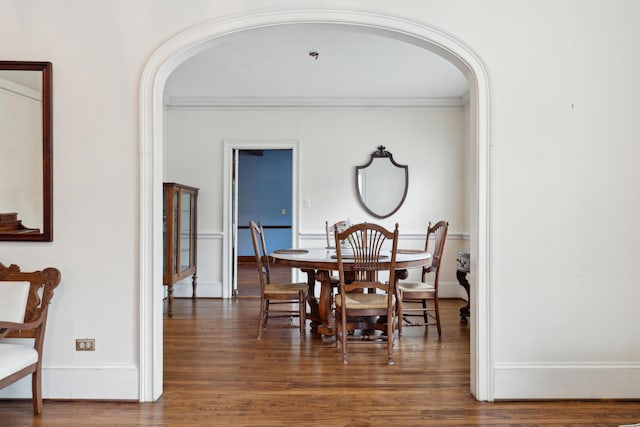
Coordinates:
462 270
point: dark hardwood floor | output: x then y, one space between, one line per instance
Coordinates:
248 281
217 374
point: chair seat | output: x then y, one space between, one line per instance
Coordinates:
364 301
15 357
409 287
285 288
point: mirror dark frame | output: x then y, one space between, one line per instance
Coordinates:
46 233
381 154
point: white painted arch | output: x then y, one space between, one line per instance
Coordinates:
201 37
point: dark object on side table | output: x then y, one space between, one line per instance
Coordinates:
461 273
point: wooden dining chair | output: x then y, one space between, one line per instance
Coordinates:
335 280
284 294
328 233
424 292
24 305
365 307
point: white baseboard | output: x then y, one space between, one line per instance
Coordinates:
204 290
512 381
92 382
567 381
451 290
214 290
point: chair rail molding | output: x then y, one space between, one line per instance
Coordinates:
210 235
406 236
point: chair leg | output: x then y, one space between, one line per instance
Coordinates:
36 391
425 314
262 322
435 303
343 327
400 315
302 313
390 340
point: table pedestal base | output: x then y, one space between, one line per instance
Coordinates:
320 313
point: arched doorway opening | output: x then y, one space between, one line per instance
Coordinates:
195 40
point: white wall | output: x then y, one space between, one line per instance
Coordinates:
563 207
431 141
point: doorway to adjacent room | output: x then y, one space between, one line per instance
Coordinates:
262 192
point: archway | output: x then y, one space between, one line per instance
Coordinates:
195 40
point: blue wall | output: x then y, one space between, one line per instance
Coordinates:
264 189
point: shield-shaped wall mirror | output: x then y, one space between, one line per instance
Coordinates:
382 184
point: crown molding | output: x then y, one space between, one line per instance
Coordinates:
214 102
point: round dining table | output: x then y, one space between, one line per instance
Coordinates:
318 263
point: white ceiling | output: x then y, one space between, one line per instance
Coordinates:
274 63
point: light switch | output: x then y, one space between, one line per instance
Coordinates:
283 211
307 203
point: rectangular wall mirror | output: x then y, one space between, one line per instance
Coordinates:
26 176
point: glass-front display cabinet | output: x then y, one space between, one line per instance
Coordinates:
180 208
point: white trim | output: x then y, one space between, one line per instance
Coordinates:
481 258
81 381
253 144
219 235
201 37
212 102
401 236
210 235
567 381
184 289
451 290
151 295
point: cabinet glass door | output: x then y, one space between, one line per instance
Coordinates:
164 233
185 230
176 234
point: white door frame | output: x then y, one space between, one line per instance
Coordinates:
206 35
228 279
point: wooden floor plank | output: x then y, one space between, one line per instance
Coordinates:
217 374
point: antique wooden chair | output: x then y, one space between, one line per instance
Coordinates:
276 293
365 307
24 305
328 232
330 229
413 293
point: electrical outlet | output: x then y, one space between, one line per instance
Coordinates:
85 344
